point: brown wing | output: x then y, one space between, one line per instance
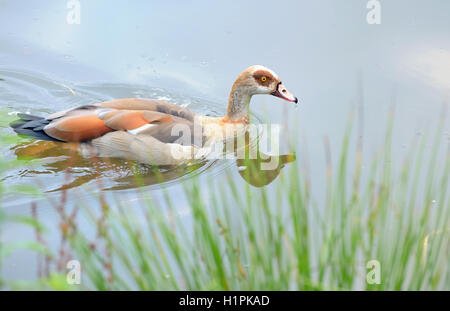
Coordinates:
132 119
91 121
78 127
149 105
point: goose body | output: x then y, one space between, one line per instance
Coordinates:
152 131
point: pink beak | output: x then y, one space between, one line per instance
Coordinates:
283 93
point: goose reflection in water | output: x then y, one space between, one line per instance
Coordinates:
121 174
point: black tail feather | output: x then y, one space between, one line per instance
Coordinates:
32 126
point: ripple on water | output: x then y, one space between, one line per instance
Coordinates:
32 93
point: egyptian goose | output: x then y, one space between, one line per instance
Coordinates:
151 131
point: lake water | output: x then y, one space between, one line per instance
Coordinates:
189 53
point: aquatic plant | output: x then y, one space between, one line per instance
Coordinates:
280 237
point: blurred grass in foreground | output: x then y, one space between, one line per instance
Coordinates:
240 239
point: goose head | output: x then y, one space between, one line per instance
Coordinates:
252 81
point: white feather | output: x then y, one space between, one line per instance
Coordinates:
140 129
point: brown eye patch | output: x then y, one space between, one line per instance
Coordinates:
263 77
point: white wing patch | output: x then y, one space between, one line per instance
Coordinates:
140 129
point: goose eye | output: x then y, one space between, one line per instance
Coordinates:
263 79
